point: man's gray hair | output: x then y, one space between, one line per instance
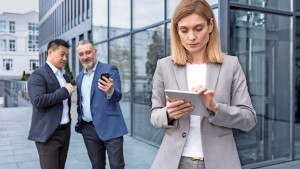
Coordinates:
83 42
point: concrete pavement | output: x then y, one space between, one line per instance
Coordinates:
16 152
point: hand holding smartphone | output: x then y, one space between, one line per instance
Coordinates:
104 75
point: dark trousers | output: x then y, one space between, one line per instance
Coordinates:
53 153
97 149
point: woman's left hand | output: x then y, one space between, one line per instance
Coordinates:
207 96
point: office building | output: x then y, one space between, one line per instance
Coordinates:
133 34
19 44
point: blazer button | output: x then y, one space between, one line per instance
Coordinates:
183 135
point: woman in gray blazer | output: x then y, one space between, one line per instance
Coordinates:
197 65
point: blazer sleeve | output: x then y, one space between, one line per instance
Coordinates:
43 93
117 95
240 114
158 112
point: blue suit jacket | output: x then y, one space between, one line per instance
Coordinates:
107 115
46 97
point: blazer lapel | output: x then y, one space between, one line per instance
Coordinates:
97 73
52 75
67 78
180 76
79 81
212 75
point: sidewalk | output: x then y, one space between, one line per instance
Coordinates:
16 152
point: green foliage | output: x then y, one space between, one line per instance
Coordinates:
69 73
155 52
25 76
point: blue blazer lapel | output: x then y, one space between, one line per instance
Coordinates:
212 75
79 82
180 77
97 74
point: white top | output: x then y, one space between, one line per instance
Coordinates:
196 75
62 82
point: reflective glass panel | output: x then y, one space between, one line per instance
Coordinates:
272 4
168 39
297 90
171 5
102 52
148 47
212 2
119 23
297 5
262 43
147 12
119 55
99 20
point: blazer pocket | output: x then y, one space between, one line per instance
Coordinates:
112 110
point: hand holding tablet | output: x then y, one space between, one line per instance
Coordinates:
193 97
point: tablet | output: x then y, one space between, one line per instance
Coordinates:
193 97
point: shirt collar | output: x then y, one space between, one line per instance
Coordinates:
54 69
94 68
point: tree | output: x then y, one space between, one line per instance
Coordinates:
25 76
155 52
69 73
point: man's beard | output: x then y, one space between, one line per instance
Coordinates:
89 65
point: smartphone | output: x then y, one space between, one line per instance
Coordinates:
104 74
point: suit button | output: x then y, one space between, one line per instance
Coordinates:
183 135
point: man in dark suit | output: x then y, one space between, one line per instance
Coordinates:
50 94
100 119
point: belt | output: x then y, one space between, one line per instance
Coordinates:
197 158
63 126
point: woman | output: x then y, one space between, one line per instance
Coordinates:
198 65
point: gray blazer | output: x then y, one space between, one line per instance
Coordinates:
235 111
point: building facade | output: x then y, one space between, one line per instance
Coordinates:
66 19
133 34
19 44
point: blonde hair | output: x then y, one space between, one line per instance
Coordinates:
180 55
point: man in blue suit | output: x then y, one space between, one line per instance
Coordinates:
50 94
100 119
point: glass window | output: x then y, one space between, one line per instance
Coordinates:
12 45
102 52
212 2
148 47
2 44
171 5
168 39
147 12
33 37
262 43
12 28
297 89
100 20
297 5
119 24
119 52
33 64
7 64
272 4
2 26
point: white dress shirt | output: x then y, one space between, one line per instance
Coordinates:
62 82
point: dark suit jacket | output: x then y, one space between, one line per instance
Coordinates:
46 97
107 115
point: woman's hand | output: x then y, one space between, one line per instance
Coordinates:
178 108
207 96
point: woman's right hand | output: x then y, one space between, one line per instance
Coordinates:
178 108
